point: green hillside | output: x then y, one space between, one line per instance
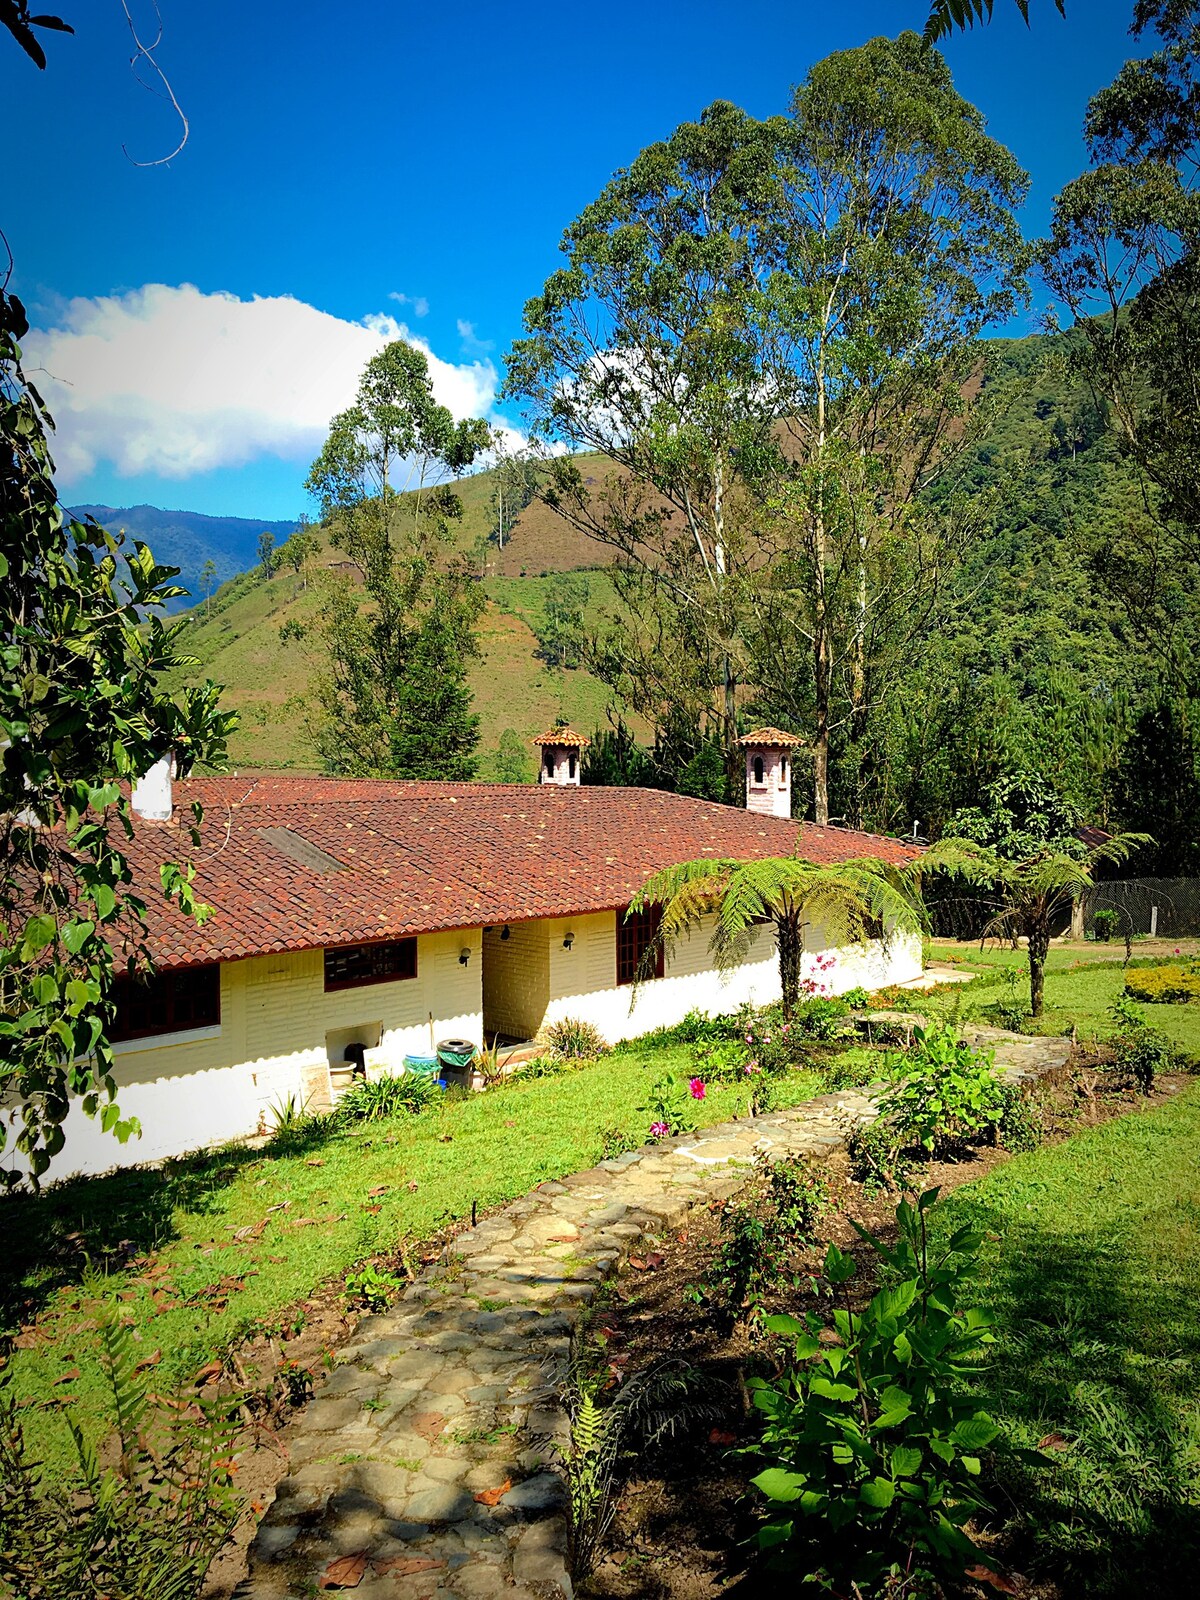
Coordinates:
236 640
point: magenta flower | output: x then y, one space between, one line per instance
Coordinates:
696 1087
659 1130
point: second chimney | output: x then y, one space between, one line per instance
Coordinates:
152 797
769 770
561 754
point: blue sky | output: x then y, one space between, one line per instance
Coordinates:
357 163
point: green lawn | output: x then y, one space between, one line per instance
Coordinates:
1079 989
1091 1263
187 1214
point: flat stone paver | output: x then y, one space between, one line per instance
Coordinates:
430 1449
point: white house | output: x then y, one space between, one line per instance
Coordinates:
394 915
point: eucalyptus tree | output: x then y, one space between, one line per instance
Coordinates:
764 329
381 484
896 249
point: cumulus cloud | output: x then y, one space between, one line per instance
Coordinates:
173 381
418 302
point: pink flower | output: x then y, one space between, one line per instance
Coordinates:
749 1038
697 1088
659 1130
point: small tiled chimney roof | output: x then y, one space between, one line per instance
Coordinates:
567 737
770 738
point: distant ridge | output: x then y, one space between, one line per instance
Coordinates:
187 539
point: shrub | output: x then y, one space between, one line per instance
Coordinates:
948 1093
373 1099
669 1106
697 1027
856 999
876 1160
872 1447
146 1527
574 1039
822 1017
1019 1128
1141 1050
760 1234
372 1289
1106 924
721 1063
547 1066
1164 984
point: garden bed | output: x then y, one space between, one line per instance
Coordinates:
684 1515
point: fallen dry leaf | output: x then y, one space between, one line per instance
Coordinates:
445 1138
66 1377
149 1361
655 1260
429 1425
993 1579
373 1209
313 1161
345 1572
412 1188
211 1369
1054 1441
404 1566
282 1206
382 1189
719 1436
638 1263
491 1497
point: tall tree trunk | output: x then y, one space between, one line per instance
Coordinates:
821 653
1039 948
791 947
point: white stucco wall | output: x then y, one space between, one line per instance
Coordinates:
203 1088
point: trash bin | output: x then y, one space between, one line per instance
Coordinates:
455 1057
424 1064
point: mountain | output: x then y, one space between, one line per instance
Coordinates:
187 539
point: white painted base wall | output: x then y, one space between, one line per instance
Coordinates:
279 1029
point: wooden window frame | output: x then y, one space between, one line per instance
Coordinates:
379 973
634 934
190 998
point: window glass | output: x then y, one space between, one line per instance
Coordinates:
635 934
169 1002
383 962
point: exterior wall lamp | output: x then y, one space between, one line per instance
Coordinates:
463 957
506 932
568 941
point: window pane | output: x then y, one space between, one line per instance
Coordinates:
385 962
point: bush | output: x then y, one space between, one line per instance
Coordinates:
875 1159
760 1234
574 1039
948 1093
1164 984
721 1063
822 1017
1106 924
549 1066
872 1447
373 1099
1140 1050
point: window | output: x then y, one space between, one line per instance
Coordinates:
355 964
169 1002
548 762
635 934
782 771
571 764
758 769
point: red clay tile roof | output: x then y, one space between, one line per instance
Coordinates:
299 863
564 736
772 738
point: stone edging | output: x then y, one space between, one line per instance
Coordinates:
451 1393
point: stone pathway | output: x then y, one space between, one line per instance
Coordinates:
450 1396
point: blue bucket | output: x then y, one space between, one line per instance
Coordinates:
425 1064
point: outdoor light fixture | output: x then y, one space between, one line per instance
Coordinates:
568 941
506 932
463 957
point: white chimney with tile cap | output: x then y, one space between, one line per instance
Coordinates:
561 750
769 770
152 794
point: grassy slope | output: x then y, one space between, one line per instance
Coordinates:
487 1149
1079 989
1091 1263
237 644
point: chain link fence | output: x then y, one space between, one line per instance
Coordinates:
1168 907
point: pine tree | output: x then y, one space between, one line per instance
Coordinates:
435 734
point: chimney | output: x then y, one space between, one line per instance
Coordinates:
151 796
561 754
769 771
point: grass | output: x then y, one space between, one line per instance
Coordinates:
1079 989
205 1250
1091 1263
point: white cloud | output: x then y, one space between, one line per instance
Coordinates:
174 382
472 344
418 302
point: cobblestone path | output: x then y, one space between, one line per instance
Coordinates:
450 1395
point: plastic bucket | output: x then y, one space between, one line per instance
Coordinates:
426 1064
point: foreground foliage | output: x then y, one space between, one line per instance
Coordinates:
873 1438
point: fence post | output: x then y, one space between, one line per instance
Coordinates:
1153 921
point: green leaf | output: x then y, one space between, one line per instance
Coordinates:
974 1433
906 1461
37 934
877 1492
76 934
778 1484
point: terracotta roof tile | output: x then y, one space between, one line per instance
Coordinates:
564 736
773 738
363 860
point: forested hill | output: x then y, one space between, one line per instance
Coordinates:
189 539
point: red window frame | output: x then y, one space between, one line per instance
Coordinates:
635 934
180 1001
354 966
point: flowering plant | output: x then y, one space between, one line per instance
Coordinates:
669 1106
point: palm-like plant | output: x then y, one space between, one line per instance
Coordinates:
1029 892
850 903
